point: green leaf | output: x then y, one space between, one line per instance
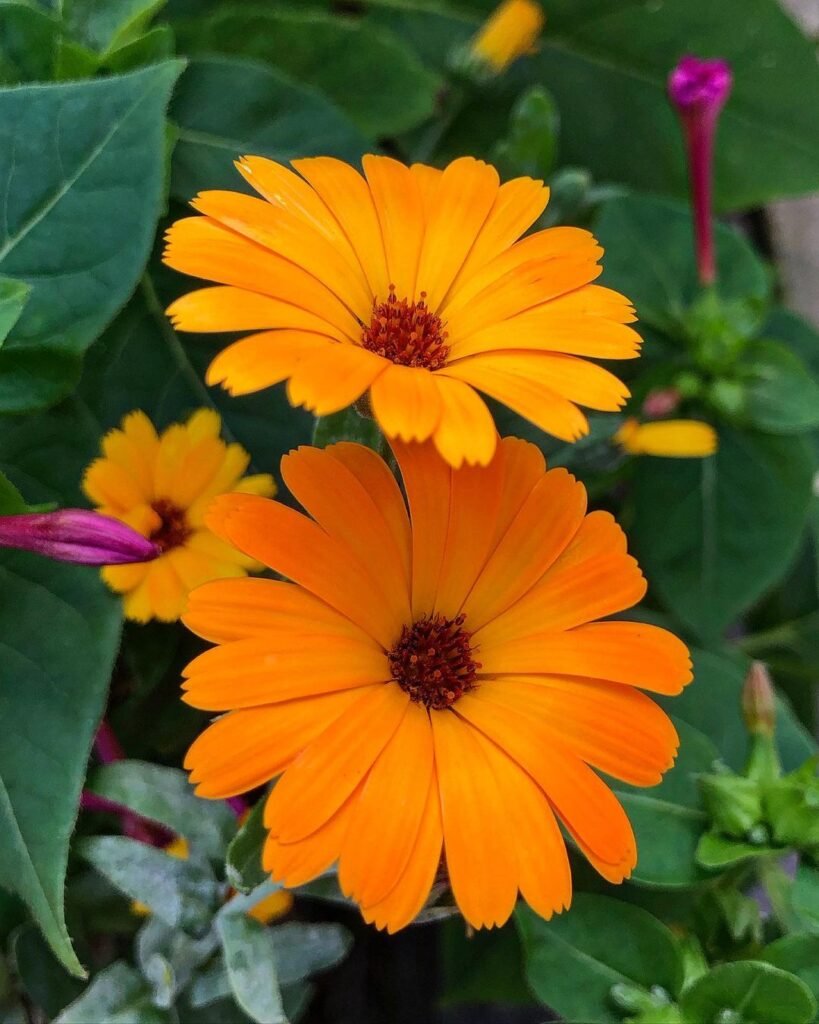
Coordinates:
165 795
11 501
607 65
46 983
13 296
56 681
756 990
799 335
716 852
302 950
368 72
243 865
798 954
28 38
712 704
168 957
650 257
731 524
225 108
530 147
81 206
250 958
347 425
781 395
482 967
155 45
574 960
117 995
105 25
182 893
668 820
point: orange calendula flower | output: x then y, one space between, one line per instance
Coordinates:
432 680
509 33
674 439
161 485
407 284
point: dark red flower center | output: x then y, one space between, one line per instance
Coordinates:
406 333
173 530
433 661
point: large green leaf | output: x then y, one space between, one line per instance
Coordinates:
117 995
574 960
28 38
368 72
756 990
782 396
59 630
667 819
607 64
713 534
82 167
799 954
226 107
649 257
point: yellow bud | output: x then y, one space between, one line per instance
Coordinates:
676 439
510 32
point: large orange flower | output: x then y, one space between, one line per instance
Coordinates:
407 283
432 680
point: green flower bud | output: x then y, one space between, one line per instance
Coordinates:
733 803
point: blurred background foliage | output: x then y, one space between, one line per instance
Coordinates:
113 113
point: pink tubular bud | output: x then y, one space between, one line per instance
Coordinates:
698 90
76 535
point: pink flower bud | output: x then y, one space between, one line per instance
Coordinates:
759 701
661 402
76 535
698 90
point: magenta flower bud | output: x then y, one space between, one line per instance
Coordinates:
76 535
698 89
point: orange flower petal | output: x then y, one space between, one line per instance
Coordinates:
523 468
247 748
332 378
518 204
202 248
225 610
223 308
261 360
296 547
480 853
540 532
541 406
348 196
543 329
278 667
633 653
427 481
594 577
326 773
544 875
406 402
458 208
585 805
406 899
398 204
377 479
616 729
466 431
387 816
289 235
339 503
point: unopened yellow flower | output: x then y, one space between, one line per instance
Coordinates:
675 439
162 486
509 33
435 678
406 284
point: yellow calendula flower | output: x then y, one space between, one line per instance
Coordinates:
440 677
162 485
407 287
509 33
675 439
